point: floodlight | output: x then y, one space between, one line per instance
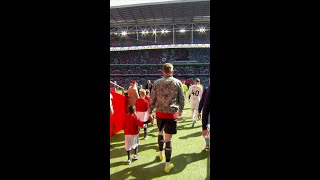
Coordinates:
123 33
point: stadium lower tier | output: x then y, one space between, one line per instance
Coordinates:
160 56
158 69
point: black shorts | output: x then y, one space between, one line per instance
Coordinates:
204 122
204 127
169 125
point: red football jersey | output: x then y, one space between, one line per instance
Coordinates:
147 98
142 105
131 123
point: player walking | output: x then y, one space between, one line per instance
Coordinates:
195 92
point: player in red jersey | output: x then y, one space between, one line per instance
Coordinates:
142 106
131 132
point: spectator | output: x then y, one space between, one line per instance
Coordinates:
132 94
149 86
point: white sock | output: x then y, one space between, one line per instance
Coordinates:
167 164
160 153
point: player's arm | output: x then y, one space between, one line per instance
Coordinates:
189 91
200 92
139 122
147 105
152 103
202 101
111 106
137 94
111 110
181 99
206 106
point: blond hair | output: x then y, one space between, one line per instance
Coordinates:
142 92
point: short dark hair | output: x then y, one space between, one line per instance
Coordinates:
167 68
132 109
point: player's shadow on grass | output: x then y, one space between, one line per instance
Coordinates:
152 135
117 138
196 134
183 119
189 126
118 164
121 152
153 130
113 146
141 172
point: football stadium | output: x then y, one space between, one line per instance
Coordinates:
144 37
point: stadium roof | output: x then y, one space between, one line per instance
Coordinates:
158 12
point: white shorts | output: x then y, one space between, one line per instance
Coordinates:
194 104
142 116
131 142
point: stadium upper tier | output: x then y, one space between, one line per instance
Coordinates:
184 37
160 56
137 23
159 13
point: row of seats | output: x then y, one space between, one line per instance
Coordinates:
160 56
125 81
157 69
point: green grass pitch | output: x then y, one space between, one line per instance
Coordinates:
188 157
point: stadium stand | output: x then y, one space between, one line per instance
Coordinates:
144 37
159 56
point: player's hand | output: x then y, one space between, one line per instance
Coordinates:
150 118
180 113
199 116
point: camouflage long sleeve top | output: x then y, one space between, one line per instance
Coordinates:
167 97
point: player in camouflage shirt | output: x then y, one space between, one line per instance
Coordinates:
168 99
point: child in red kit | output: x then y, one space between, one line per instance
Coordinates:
147 95
142 106
131 132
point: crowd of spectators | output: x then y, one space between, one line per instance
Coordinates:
160 56
144 69
200 55
125 81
